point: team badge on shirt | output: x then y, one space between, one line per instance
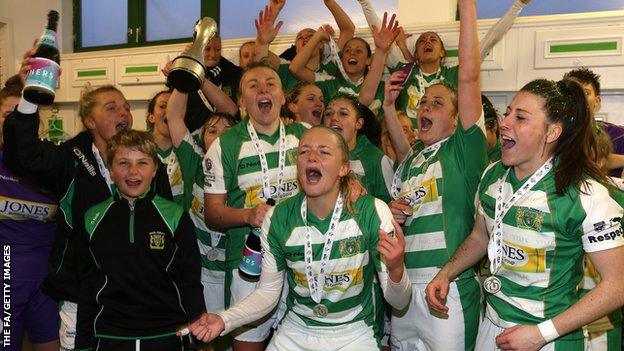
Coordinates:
529 218
157 240
349 247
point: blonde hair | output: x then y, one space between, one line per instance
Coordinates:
135 140
88 97
347 180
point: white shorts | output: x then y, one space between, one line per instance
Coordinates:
259 330
67 327
293 335
488 331
214 293
418 328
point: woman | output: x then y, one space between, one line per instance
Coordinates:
338 314
428 53
26 231
305 103
359 79
352 120
434 197
74 172
560 204
267 32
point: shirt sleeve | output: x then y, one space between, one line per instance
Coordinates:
602 228
188 268
214 178
266 296
396 293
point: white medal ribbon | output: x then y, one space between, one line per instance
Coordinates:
172 164
423 84
266 184
495 244
102 166
396 188
317 286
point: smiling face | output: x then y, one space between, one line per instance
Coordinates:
262 95
246 55
110 115
436 114
526 135
132 171
341 116
429 48
321 162
158 117
212 53
355 56
309 105
213 128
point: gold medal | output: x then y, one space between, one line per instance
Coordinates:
320 310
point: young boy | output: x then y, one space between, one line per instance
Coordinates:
141 265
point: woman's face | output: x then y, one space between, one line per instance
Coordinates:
320 163
342 117
408 130
110 115
355 57
159 116
436 115
246 56
526 135
309 106
429 48
213 129
262 95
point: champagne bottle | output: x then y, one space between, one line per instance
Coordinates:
42 79
251 266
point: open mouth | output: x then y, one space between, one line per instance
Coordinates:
313 175
507 143
352 62
425 124
122 126
428 49
336 127
265 105
133 183
317 114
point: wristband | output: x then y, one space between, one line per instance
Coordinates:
548 330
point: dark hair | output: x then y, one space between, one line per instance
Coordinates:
293 97
372 127
212 119
575 150
489 113
14 82
151 106
585 76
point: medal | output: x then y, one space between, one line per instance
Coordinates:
212 255
492 285
320 310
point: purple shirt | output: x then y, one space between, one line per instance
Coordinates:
26 224
616 133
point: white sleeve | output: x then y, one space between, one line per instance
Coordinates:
394 55
602 229
500 28
397 294
214 181
266 296
387 169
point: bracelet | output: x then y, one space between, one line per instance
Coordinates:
548 330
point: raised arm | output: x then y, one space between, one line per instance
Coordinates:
345 25
218 98
266 31
469 87
384 37
397 136
501 27
298 66
176 109
395 55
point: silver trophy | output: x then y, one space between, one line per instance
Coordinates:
188 69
